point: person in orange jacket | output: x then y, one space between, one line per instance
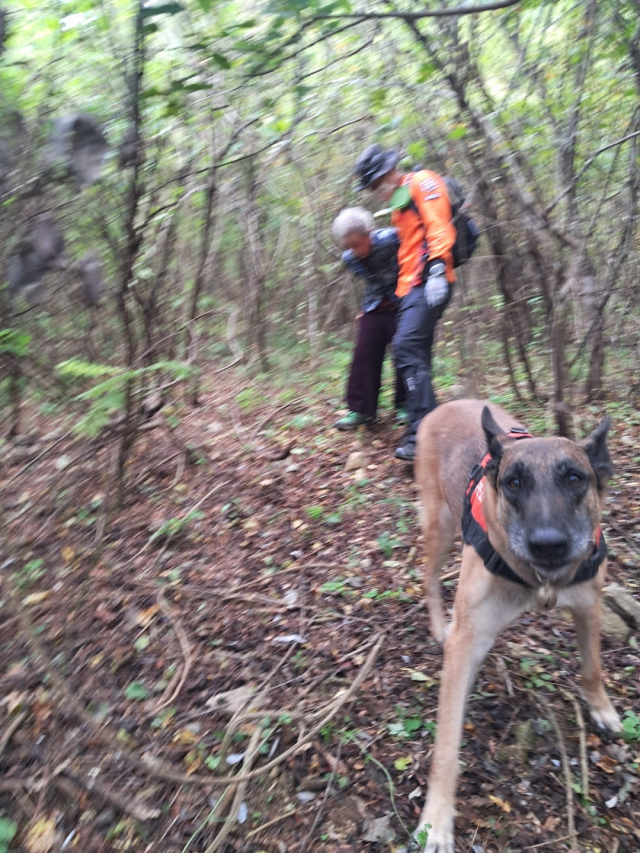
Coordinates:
423 218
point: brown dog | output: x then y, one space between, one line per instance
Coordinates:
531 530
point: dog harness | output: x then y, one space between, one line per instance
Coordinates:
474 529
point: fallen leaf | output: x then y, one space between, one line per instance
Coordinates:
145 618
42 836
355 461
184 737
289 638
305 796
232 700
504 805
607 764
35 597
378 831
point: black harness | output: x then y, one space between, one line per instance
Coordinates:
474 529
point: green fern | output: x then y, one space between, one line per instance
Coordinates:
107 398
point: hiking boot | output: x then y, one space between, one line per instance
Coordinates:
401 416
406 452
352 420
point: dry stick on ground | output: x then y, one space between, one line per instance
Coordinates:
270 823
566 771
12 728
272 415
316 820
241 714
547 843
251 754
584 762
171 694
622 533
73 784
504 672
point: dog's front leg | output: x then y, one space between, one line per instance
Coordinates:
479 614
585 609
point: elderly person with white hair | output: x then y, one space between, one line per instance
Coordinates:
371 254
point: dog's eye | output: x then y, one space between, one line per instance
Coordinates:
573 479
514 483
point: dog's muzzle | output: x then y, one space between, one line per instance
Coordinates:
549 548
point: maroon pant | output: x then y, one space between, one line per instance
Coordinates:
375 333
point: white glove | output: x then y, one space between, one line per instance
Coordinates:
436 289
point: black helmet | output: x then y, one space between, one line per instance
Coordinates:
373 163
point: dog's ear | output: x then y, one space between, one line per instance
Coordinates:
595 446
494 434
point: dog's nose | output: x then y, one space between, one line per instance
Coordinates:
548 544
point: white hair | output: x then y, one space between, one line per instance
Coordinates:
351 220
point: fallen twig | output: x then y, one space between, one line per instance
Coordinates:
584 762
11 729
316 820
270 823
619 530
250 756
566 771
171 694
271 415
72 784
241 715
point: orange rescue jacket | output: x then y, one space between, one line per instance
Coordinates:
425 228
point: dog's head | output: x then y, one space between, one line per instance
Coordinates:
546 497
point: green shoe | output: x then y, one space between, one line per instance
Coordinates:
352 420
401 416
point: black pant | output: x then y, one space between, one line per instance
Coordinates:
375 332
415 327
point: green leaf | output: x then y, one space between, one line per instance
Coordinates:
220 60
412 724
14 342
420 676
402 763
457 132
427 70
136 691
76 368
142 643
8 830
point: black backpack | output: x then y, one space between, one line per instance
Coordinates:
467 230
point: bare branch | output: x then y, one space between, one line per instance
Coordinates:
417 16
588 163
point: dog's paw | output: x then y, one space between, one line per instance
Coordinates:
606 717
435 839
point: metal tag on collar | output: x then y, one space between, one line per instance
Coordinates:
546 595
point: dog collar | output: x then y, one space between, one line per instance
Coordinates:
474 529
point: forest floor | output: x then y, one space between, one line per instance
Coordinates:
248 613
